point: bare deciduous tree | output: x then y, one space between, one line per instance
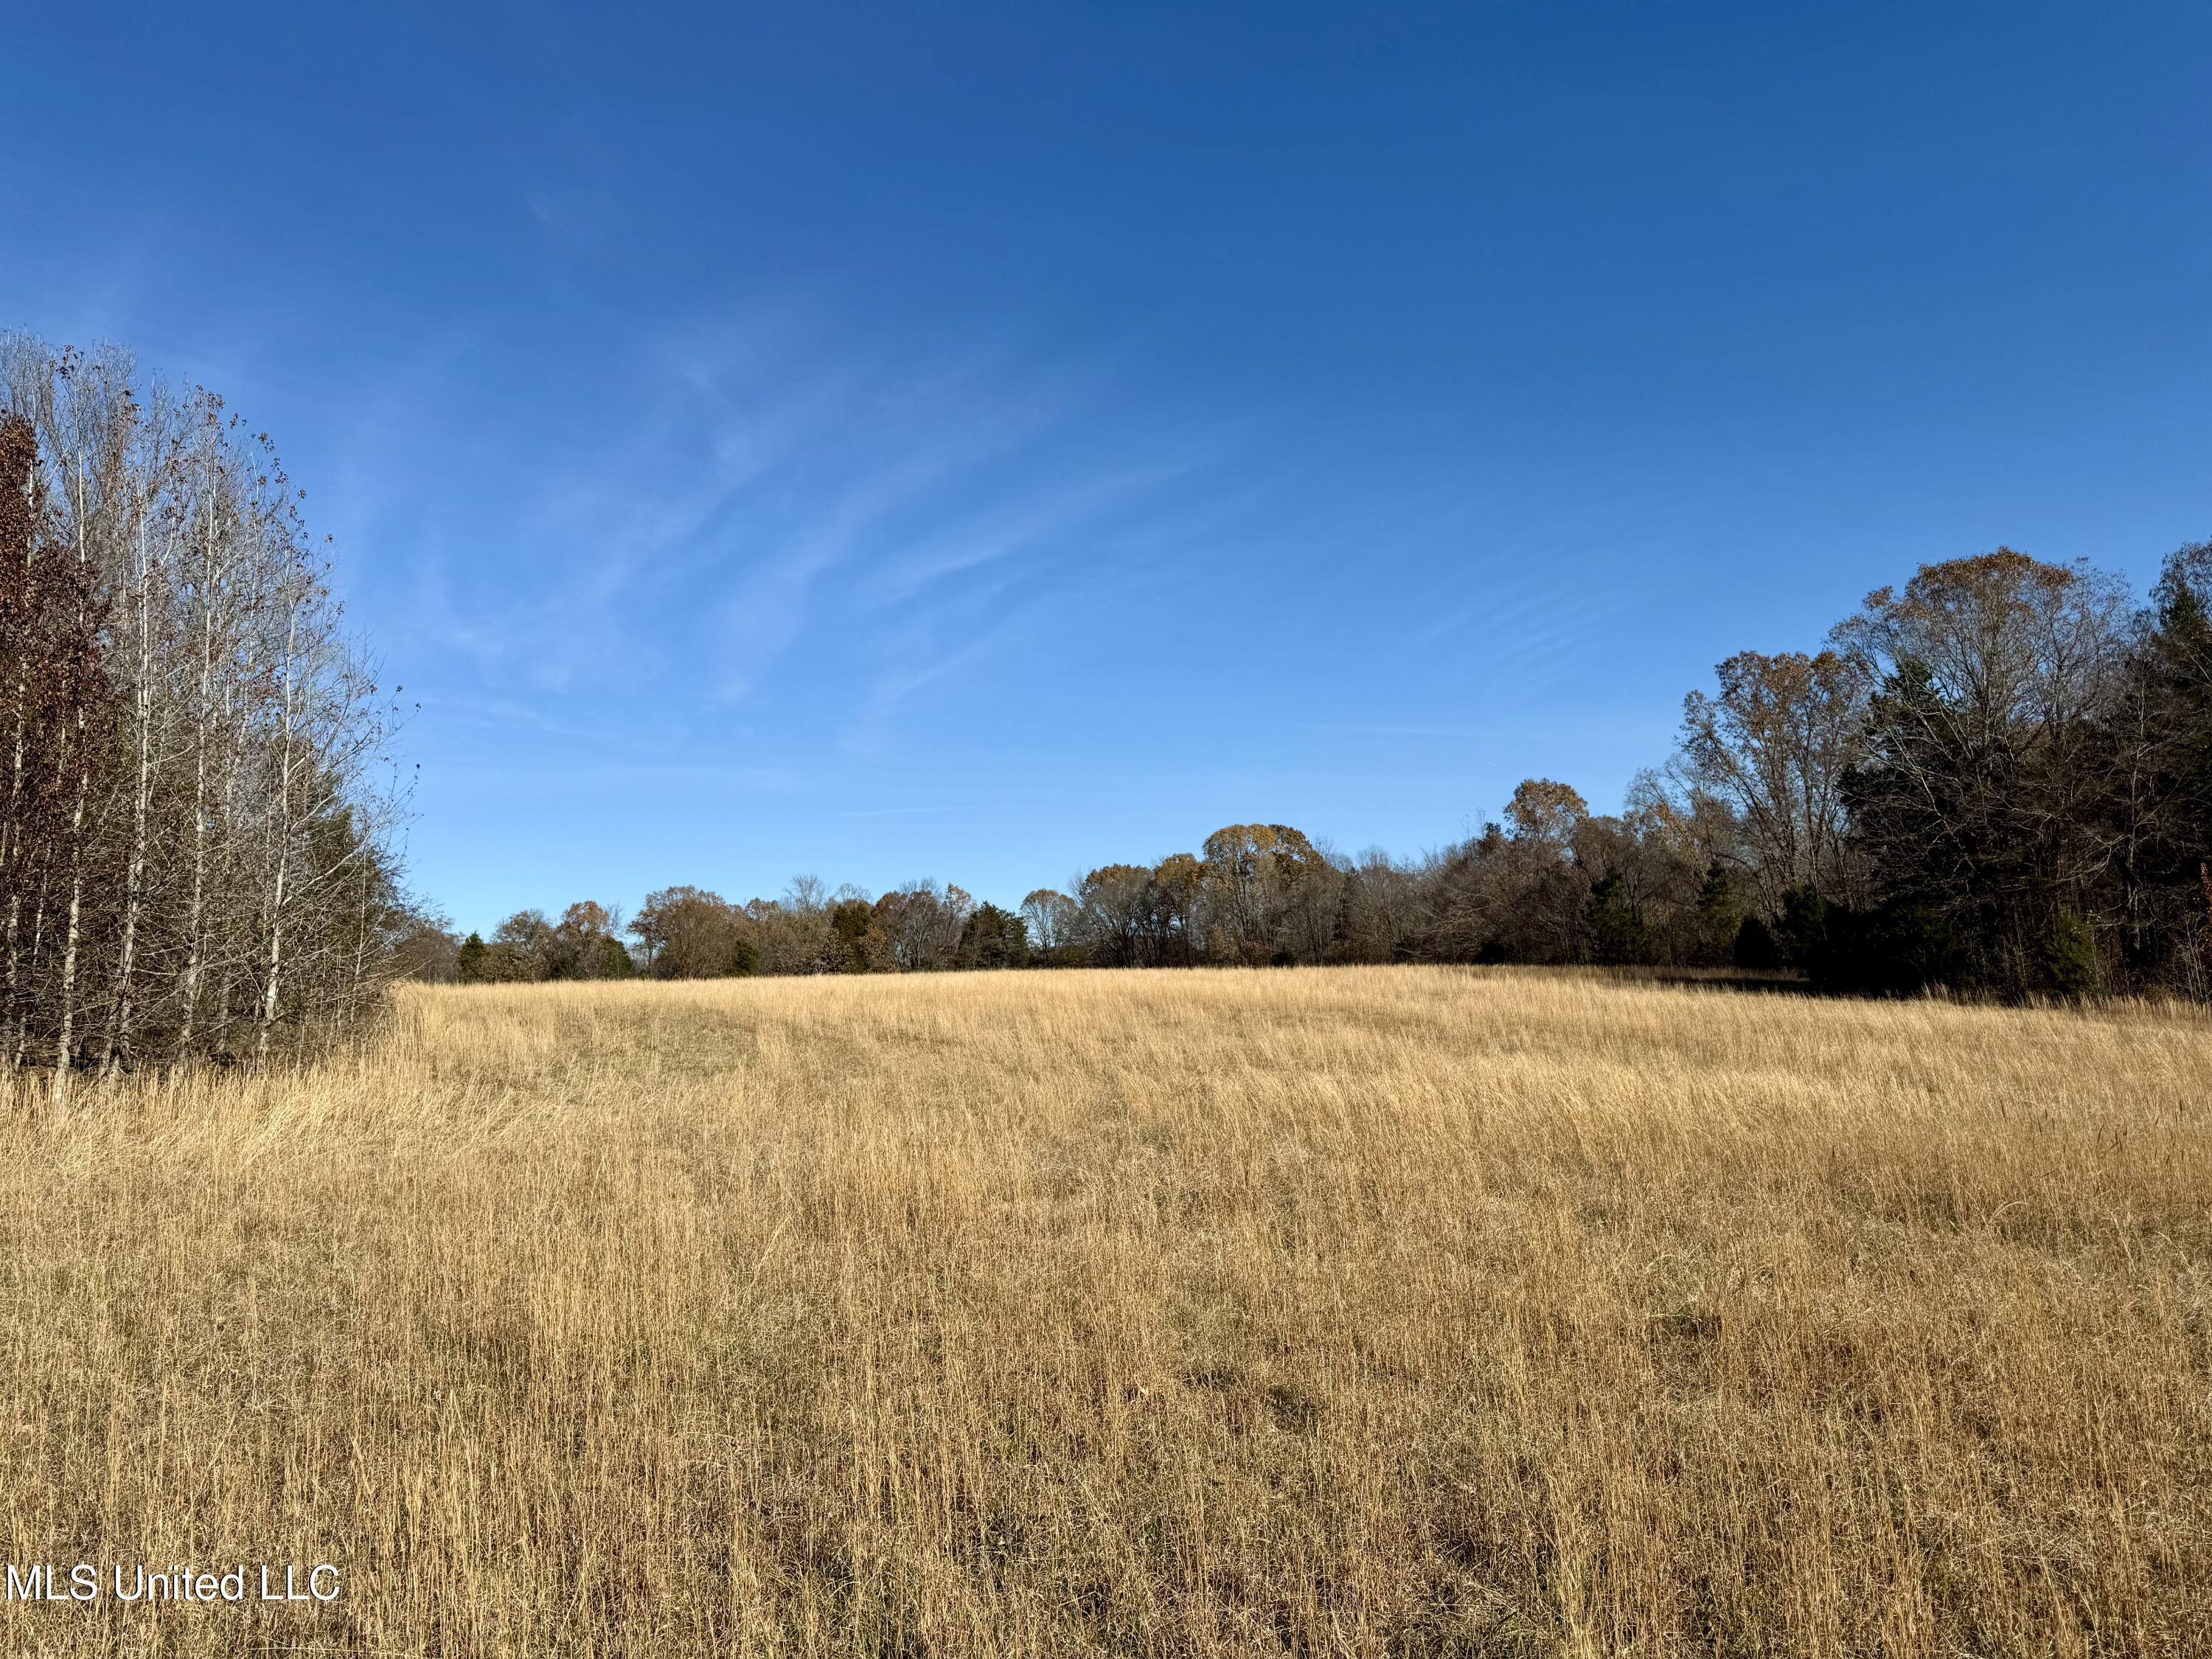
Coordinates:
195 859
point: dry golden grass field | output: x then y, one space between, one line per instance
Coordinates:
1347 1311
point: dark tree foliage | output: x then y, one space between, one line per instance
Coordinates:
851 923
1755 948
1613 925
1720 917
2166 802
993 937
2002 784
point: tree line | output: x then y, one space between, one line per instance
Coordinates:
196 857
1996 778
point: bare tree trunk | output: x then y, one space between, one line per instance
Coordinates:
233 943
37 940
76 673
119 1024
269 990
13 1056
63 1054
360 951
196 909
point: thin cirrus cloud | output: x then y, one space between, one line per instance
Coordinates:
748 533
760 542
754 471
921 511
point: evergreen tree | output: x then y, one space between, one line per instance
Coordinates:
1616 933
1720 917
993 937
1755 948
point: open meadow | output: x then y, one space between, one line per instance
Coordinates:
1387 1310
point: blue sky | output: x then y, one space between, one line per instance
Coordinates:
987 443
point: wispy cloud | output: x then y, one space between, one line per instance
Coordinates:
910 811
764 524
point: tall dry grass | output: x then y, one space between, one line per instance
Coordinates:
1358 1311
